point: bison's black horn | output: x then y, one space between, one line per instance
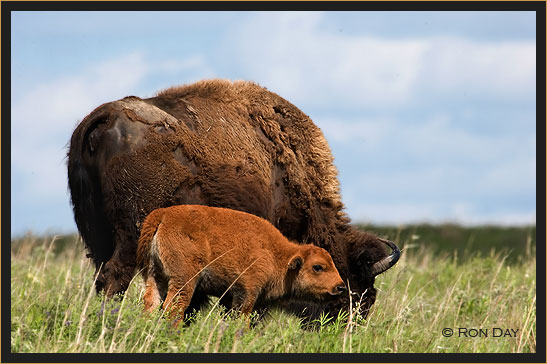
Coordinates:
384 264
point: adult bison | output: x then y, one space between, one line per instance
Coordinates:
216 143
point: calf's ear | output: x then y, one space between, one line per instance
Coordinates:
295 262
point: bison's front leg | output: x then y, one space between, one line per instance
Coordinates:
118 271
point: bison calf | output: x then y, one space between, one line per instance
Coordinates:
187 252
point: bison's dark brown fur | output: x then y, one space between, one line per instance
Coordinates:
189 251
216 143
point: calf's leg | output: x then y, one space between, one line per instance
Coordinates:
152 298
243 298
179 296
244 301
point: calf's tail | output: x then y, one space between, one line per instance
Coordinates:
148 231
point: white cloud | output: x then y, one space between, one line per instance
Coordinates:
438 137
392 213
53 107
369 133
44 118
464 213
294 55
298 57
480 69
44 169
193 62
433 171
515 174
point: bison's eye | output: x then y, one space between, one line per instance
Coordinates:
318 268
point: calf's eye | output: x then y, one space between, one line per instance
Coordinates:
318 268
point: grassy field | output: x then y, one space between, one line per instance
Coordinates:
448 277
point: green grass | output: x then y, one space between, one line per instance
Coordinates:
55 308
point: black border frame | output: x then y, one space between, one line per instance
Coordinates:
539 7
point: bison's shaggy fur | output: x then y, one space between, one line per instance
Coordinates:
188 252
215 143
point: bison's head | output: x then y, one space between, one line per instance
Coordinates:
366 256
369 256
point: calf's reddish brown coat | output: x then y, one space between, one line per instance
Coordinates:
192 250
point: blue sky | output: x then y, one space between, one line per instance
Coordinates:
430 115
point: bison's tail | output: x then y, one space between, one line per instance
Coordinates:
148 232
85 190
86 197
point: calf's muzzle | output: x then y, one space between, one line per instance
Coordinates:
338 289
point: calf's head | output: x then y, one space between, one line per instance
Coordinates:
314 274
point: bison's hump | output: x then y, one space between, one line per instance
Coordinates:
233 118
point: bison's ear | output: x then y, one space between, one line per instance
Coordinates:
295 262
